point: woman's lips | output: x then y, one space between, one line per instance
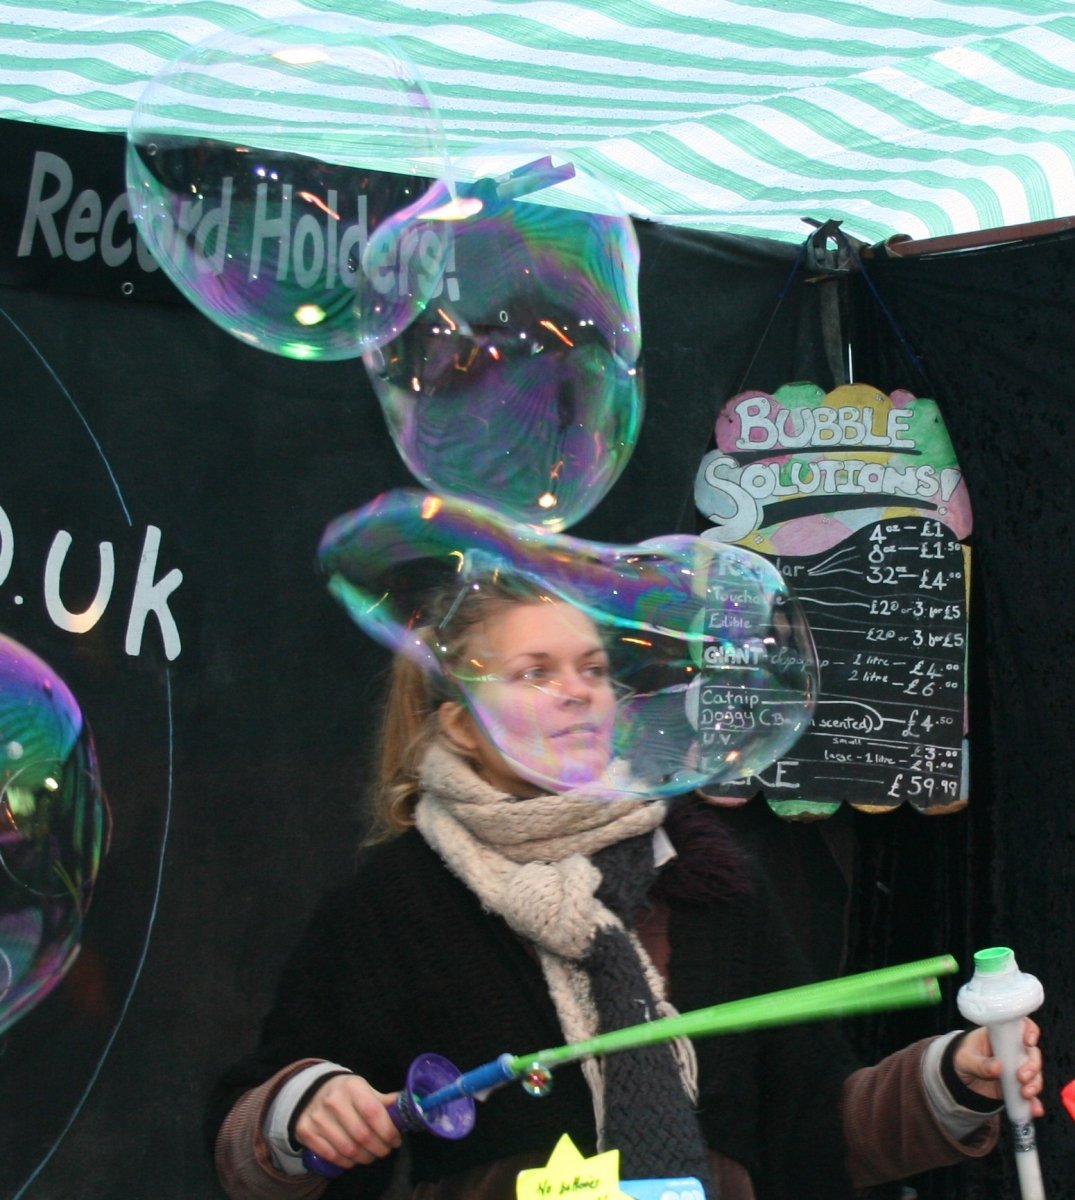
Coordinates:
585 728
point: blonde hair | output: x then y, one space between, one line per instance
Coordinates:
409 722
408 726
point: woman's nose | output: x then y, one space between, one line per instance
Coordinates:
575 688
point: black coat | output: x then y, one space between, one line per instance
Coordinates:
403 959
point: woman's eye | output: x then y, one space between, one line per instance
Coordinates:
597 670
532 675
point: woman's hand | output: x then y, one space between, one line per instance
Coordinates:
346 1122
980 1071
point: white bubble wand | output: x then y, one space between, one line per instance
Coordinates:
999 996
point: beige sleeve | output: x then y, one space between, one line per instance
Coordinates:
243 1159
890 1127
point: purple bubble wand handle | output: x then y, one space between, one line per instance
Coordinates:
437 1098
477 1083
321 1166
533 177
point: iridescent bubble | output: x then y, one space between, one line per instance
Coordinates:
54 827
537 1080
519 387
679 662
261 162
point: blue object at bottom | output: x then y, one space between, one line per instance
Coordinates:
663 1189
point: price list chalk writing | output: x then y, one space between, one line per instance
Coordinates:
887 607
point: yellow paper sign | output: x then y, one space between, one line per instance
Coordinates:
568 1173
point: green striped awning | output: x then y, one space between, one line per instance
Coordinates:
916 117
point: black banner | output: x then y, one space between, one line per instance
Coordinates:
65 220
232 700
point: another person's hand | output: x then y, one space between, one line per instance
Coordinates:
980 1071
346 1122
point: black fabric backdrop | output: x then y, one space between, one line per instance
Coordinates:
235 767
988 334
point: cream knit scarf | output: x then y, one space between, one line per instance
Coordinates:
529 861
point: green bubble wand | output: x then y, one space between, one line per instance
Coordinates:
439 1099
887 988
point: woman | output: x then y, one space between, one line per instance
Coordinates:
493 914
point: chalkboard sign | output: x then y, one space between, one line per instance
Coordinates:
858 501
891 640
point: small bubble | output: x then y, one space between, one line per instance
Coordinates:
537 1081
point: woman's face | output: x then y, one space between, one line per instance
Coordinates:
540 703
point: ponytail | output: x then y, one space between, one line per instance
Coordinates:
408 726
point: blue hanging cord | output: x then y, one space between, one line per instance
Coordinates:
906 346
780 297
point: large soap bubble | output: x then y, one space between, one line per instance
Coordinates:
54 827
520 386
708 655
261 161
